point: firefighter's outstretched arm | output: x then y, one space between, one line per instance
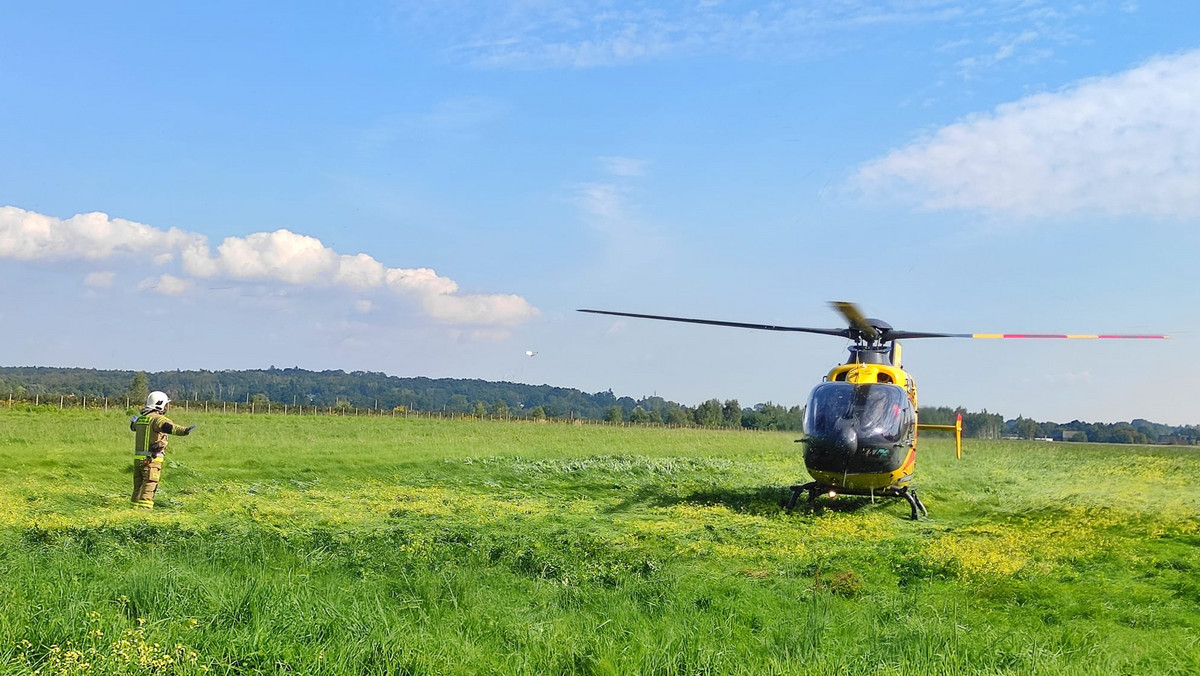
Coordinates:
169 427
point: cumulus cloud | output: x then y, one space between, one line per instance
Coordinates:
421 280
29 236
359 271
474 309
1121 145
281 256
167 285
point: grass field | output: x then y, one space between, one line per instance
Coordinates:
344 545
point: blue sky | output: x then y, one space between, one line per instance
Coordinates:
390 187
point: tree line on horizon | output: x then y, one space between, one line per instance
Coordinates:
379 391
984 425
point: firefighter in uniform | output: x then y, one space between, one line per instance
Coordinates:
150 442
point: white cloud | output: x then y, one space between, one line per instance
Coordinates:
479 309
99 280
363 306
1127 144
421 280
168 285
281 256
29 236
360 271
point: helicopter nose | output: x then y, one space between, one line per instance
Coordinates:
847 439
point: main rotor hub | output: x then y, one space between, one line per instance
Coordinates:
870 332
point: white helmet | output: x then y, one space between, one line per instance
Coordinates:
158 401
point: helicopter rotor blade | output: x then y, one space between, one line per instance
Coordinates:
844 333
860 327
905 335
1116 336
855 317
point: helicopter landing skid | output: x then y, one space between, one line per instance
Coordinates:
813 488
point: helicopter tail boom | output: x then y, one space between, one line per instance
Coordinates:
956 428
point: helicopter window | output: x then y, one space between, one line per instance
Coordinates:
879 414
883 378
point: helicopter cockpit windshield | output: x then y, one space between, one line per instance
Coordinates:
858 415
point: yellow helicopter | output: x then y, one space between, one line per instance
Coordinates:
860 423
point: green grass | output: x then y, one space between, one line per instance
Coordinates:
344 545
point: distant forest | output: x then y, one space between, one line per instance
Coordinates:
379 391
984 425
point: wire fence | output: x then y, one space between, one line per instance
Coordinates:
71 401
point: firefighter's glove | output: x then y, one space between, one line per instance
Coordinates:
187 430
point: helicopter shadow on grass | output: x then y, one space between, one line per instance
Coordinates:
761 500
848 504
